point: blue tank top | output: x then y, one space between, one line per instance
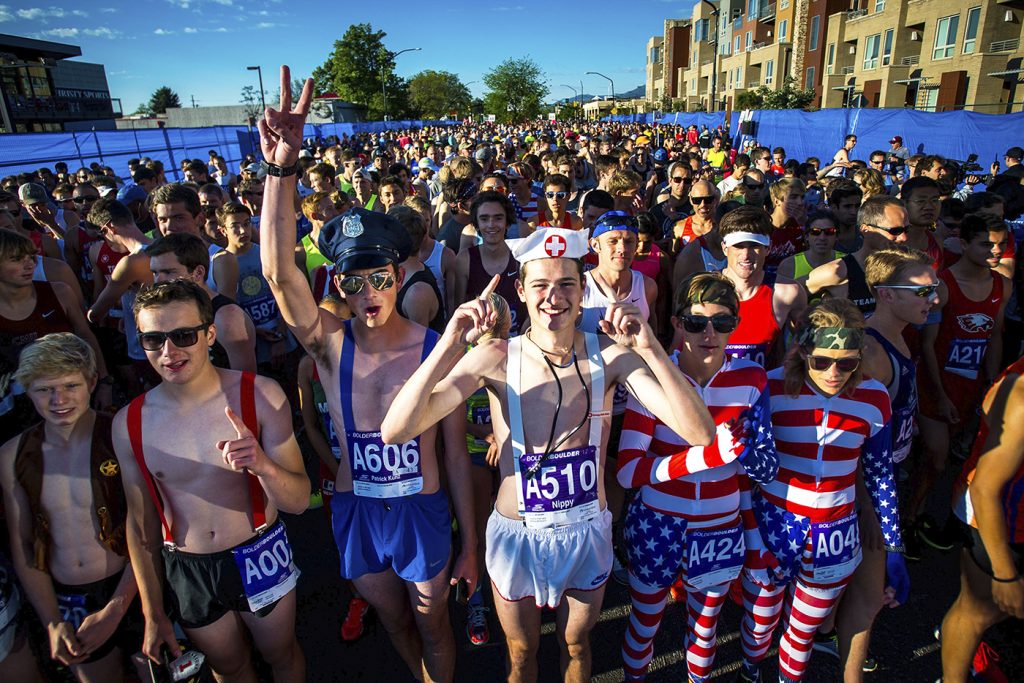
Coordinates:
903 396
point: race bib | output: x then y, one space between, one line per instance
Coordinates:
480 415
563 491
904 422
751 352
836 548
965 356
267 569
714 556
72 609
382 470
262 310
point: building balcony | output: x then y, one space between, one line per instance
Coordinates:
1004 45
767 12
910 60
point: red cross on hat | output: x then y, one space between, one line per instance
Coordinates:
555 246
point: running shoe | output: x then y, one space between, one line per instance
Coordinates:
316 500
353 627
619 572
913 551
940 538
476 625
827 643
985 666
870 664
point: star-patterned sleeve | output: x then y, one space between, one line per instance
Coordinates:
876 461
644 439
759 458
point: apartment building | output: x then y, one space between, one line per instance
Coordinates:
932 55
667 56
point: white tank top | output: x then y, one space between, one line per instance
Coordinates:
595 302
38 274
210 282
434 263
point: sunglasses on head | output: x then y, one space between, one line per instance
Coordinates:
818 232
895 232
183 337
823 363
561 194
702 200
923 291
723 323
381 281
617 221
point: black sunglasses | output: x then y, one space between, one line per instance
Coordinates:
823 363
702 200
182 337
353 284
84 200
723 323
895 232
681 179
818 232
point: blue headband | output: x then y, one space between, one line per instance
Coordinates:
614 220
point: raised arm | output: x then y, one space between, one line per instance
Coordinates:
280 141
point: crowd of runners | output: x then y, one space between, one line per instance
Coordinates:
521 361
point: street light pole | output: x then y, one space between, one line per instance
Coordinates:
383 76
259 72
594 73
714 62
575 93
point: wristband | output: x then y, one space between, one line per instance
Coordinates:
1012 580
278 171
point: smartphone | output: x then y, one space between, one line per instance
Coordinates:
462 592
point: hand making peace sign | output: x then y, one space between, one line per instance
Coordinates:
281 129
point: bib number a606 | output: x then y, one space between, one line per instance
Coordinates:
391 458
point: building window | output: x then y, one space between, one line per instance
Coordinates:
810 78
738 43
945 37
871 46
752 10
769 71
784 4
731 74
749 40
783 29
739 75
879 5
812 43
830 61
887 47
971 30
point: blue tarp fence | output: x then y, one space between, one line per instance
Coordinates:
26 152
954 134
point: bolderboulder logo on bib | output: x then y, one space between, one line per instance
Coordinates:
972 323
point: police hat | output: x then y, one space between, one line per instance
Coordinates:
364 239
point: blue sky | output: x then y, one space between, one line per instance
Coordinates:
201 47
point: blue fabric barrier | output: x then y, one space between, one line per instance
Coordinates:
26 152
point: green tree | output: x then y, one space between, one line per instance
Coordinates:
358 68
435 93
789 96
252 104
162 99
516 90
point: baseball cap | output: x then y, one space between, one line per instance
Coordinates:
131 193
252 168
660 155
896 138
1013 153
32 193
305 154
482 154
427 162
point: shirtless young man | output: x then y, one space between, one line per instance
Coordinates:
66 512
391 520
203 501
549 538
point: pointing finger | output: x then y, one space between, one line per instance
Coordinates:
491 286
237 423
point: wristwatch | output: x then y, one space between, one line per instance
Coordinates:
278 171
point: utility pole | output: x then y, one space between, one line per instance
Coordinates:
383 75
194 105
259 72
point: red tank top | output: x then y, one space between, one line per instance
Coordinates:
785 241
566 223
934 251
755 336
966 327
48 316
479 278
108 259
686 235
85 241
1013 493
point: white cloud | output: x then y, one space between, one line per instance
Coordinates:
108 10
60 32
163 32
189 29
102 33
266 24
220 29
226 3
33 13
5 13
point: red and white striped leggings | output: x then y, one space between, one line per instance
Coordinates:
807 604
648 606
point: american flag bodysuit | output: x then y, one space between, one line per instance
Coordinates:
808 513
686 492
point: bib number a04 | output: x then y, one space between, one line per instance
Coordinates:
714 556
563 491
836 548
267 570
381 470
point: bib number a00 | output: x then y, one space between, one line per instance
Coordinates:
267 570
563 491
836 548
714 556
381 470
